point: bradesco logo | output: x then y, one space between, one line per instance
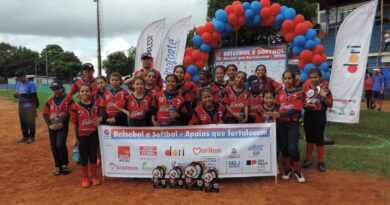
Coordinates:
150 151
124 153
173 152
208 150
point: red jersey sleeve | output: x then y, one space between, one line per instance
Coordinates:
275 84
73 114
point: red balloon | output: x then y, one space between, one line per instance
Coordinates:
268 22
187 77
200 30
265 13
232 19
236 2
188 61
214 44
301 64
196 55
306 55
204 56
207 38
319 49
289 36
275 9
216 36
209 27
236 27
241 20
238 9
265 3
288 26
229 9
299 19
300 29
309 25
317 59
324 58
188 51
200 64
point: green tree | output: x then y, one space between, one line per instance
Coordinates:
131 58
117 62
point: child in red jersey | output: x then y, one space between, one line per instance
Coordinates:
268 109
138 104
84 122
290 102
169 106
205 82
208 112
86 78
236 101
231 73
255 99
99 98
317 99
116 95
56 115
187 90
219 74
150 83
266 83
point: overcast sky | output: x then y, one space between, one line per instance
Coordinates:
72 23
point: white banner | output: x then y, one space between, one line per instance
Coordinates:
171 52
248 58
349 64
243 151
149 40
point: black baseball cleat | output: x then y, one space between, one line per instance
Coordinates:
286 175
30 140
321 167
307 164
299 176
22 139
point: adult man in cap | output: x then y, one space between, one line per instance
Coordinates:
146 59
86 78
378 88
26 92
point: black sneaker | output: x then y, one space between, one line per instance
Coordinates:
65 169
307 164
299 176
321 167
22 139
286 175
56 171
30 140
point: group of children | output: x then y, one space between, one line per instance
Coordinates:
241 99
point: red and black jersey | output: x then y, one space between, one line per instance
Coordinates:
58 107
290 100
152 92
269 84
307 83
187 90
84 117
202 116
143 72
114 96
255 101
76 86
163 103
262 114
237 101
138 108
222 86
216 92
312 96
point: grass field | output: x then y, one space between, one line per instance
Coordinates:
359 147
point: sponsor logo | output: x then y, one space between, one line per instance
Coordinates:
106 132
234 164
255 150
146 167
117 167
148 151
251 162
174 152
181 164
209 150
210 162
124 153
352 113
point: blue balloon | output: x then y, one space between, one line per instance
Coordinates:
197 40
248 21
218 25
325 75
256 6
280 18
303 77
290 13
246 5
283 9
228 28
296 50
277 25
292 45
205 48
310 44
257 19
317 40
324 66
195 78
311 34
299 41
221 15
192 70
248 13
309 67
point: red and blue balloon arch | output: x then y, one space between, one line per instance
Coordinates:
293 28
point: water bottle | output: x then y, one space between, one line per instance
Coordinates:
267 119
172 112
75 155
242 115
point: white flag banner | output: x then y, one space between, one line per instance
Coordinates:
350 62
172 49
149 41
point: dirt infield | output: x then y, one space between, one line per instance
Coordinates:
25 174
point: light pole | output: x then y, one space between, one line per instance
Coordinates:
99 56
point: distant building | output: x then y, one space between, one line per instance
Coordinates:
38 79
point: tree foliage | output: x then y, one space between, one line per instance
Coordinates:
120 62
